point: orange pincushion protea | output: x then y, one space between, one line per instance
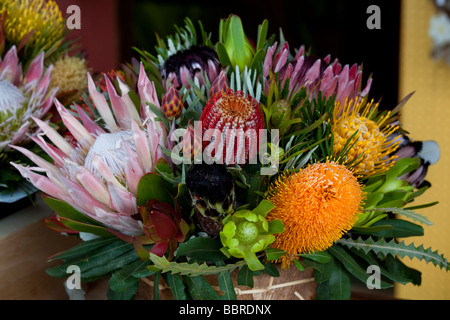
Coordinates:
316 205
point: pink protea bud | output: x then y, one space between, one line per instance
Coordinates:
172 104
221 83
234 120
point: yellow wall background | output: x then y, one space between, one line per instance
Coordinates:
427 117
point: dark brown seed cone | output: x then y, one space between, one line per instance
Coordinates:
209 225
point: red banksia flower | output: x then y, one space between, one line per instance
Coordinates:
230 123
172 104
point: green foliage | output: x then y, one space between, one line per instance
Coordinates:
95 258
191 269
382 248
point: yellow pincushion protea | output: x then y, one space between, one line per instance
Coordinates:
69 75
316 205
41 17
363 137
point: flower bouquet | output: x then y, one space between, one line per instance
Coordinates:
232 169
32 37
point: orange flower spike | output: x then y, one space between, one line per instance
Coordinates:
316 205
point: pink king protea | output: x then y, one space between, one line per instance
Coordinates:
99 175
22 96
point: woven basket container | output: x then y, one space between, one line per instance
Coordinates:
292 284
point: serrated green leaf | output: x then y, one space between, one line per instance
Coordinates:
393 248
192 269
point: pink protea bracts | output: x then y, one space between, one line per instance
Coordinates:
221 83
230 126
24 94
315 74
99 170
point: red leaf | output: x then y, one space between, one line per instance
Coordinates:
164 227
160 248
54 224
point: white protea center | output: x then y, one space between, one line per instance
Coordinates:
110 148
11 97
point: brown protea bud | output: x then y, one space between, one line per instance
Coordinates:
235 120
172 104
191 143
221 83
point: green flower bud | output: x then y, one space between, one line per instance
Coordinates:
246 233
239 49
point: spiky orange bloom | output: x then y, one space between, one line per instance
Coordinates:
371 145
316 205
